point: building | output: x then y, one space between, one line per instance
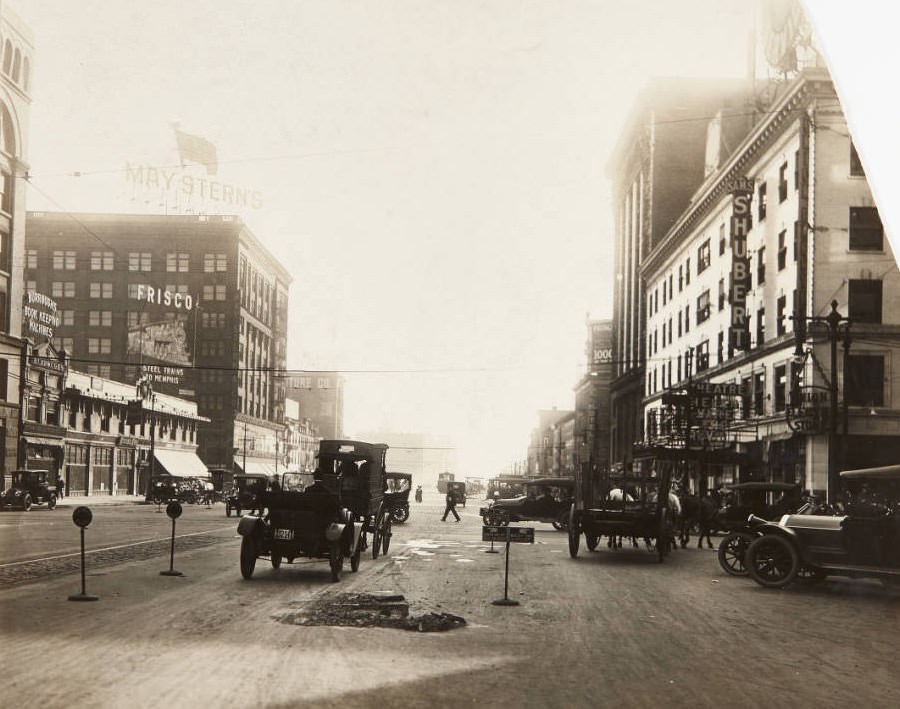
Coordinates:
321 399
592 408
773 308
16 60
301 439
660 160
103 437
195 304
551 451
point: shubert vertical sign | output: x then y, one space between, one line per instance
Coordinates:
741 190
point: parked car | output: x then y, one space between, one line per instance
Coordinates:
29 487
864 542
458 488
245 493
163 489
546 500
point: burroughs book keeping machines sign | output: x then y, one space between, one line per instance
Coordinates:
40 316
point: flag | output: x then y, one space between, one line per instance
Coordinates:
193 148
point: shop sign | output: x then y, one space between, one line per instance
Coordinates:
810 411
741 221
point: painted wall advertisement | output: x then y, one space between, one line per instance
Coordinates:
162 342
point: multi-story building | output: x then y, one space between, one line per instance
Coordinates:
321 398
196 304
301 439
658 164
551 451
16 60
591 425
773 308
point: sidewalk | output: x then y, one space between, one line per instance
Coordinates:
93 500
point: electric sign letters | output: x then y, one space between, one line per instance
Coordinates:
741 190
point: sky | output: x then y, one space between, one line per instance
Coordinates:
432 173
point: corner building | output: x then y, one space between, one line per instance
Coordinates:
195 303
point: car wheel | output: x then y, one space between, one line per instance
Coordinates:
51 502
157 500
228 509
336 560
732 550
574 534
561 523
772 561
400 514
26 502
276 560
248 557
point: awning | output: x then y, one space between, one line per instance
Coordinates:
42 441
255 466
181 464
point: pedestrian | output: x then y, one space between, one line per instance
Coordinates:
60 488
451 506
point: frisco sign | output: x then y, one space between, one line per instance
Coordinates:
741 190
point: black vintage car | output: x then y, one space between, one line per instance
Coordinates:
864 542
245 493
29 487
545 500
396 495
458 488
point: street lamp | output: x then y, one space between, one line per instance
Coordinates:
833 321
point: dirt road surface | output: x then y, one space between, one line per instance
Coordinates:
608 629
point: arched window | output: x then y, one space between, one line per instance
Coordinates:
17 66
26 74
7 56
7 136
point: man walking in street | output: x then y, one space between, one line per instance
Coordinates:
451 506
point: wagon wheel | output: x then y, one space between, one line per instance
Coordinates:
732 550
592 540
574 533
26 502
248 557
772 561
357 552
227 509
336 560
51 503
386 535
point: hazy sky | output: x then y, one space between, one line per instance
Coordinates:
432 172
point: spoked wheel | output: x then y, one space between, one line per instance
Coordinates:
561 523
26 502
386 535
400 514
248 557
228 509
51 503
336 560
574 534
732 552
772 561
376 538
357 552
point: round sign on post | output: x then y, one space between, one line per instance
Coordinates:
174 510
82 516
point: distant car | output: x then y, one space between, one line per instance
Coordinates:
29 487
865 542
546 500
245 493
458 488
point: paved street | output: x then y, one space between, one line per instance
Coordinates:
612 628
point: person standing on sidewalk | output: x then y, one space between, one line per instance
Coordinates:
451 506
60 488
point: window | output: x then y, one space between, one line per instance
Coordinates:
796 240
761 265
101 260
178 262
679 323
101 290
680 278
66 344
139 261
703 256
213 293
62 289
761 207
781 387
67 317
866 231
856 168
687 271
782 249
31 259
100 318
64 260
760 327
782 182
99 345
703 307
703 356
6 191
720 347
215 262
864 305
780 325
797 167
759 393
722 240
687 319
865 380
722 294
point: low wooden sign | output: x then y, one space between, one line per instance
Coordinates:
523 535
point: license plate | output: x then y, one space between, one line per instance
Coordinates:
284 534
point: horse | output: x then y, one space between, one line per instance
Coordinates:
674 505
701 511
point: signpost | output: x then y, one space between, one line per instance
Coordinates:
82 517
173 510
520 535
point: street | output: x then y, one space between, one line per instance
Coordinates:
611 628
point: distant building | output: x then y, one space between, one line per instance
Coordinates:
195 303
321 399
551 452
591 431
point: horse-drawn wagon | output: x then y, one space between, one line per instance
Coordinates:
636 505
